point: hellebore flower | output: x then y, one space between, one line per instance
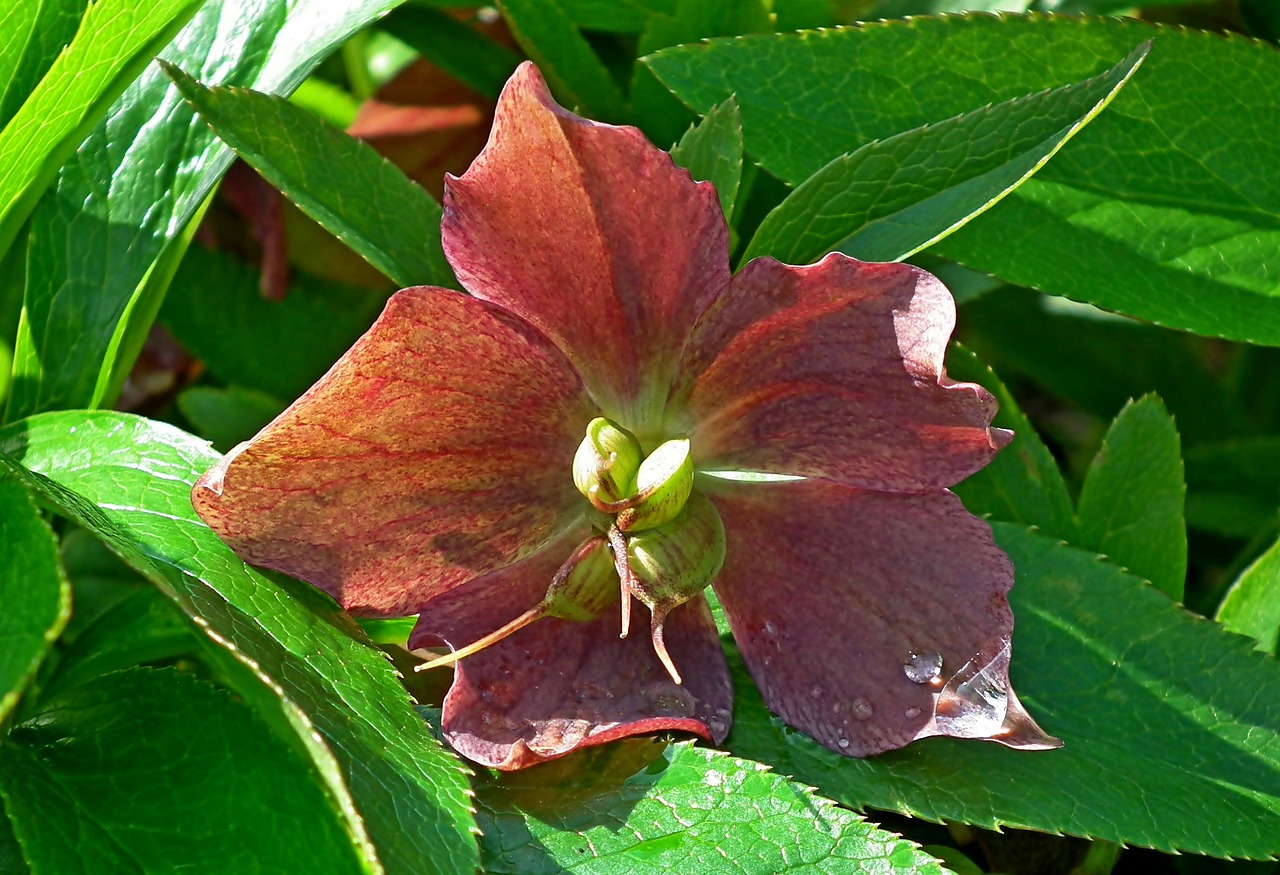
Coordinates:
517 466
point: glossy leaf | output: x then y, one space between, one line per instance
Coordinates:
33 591
571 67
357 195
639 808
139 474
1163 703
149 759
1130 507
711 151
93 279
1023 484
893 197
116 39
36 32
1252 605
1151 211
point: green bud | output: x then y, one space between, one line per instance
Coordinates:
664 482
674 562
608 459
588 589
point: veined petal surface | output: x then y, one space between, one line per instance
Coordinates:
437 449
593 236
558 685
833 370
871 619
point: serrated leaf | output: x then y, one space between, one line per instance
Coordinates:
1151 702
711 151
893 197
277 347
571 67
128 479
1023 483
116 39
639 808
1130 507
36 33
141 176
1252 605
353 192
1161 210
152 758
33 590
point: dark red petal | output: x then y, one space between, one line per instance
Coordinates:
595 237
438 448
838 598
557 685
833 370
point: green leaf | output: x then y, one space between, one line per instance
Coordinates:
1252 605
1098 361
571 67
116 39
639 808
33 590
228 416
125 204
11 860
1023 483
1234 485
711 151
1162 703
893 197
153 758
357 195
1130 507
36 33
621 16
454 47
277 347
1151 211
128 479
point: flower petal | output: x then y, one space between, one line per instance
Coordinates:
593 236
557 685
834 371
871 619
438 448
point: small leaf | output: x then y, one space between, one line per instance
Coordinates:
357 195
1130 507
894 197
571 67
1023 483
1252 605
1164 703
116 40
711 151
638 807
34 592
152 758
128 480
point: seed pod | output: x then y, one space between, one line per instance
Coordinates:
607 459
663 484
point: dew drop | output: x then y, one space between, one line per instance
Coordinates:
770 629
862 709
844 742
912 713
716 726
923 668
816 692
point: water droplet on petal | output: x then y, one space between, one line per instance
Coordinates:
974 702
816 692
844 742
716 726
770 628
923 668
862 709
912 713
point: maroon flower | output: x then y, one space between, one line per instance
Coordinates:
433 470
